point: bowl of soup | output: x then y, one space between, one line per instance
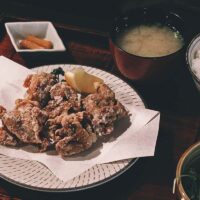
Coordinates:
187 180
148 44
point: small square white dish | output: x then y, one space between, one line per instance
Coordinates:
42 29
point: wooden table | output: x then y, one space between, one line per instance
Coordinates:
177 100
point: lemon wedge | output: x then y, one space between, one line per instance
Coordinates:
70 78
81 81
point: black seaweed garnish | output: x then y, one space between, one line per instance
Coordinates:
57 72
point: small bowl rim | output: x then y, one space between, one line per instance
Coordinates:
180 165
62 48
143 57
187 58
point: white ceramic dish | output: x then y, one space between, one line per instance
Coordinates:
190 55
34 175
44 29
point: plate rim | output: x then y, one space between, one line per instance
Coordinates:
92 185
75 189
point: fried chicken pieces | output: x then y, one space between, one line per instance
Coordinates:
39 86
75 134
104 108
53 115
26 121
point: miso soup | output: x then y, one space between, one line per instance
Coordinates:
150 40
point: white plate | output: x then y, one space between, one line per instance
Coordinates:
34 175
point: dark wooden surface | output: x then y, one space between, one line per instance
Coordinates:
177 100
